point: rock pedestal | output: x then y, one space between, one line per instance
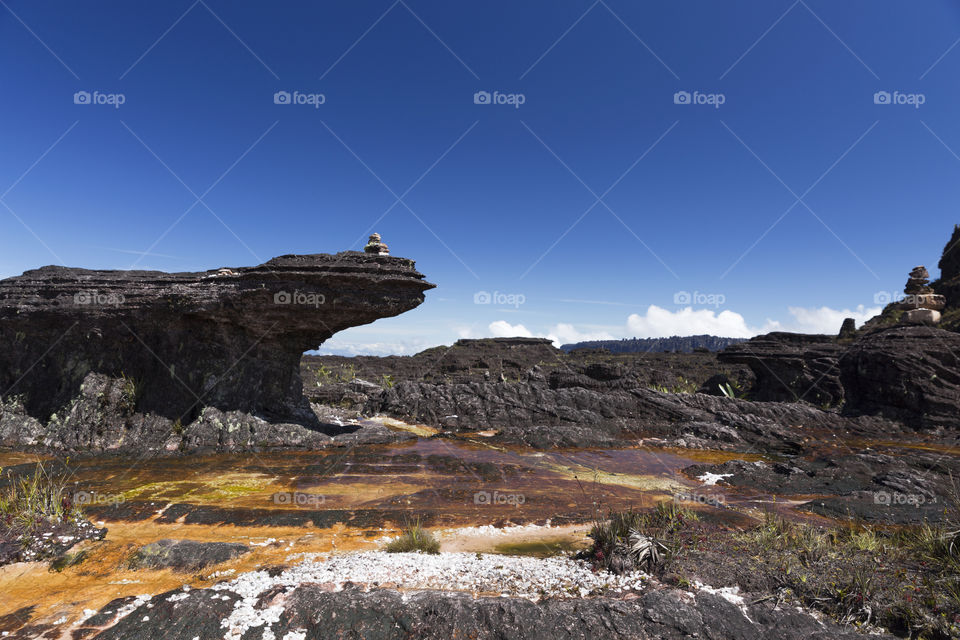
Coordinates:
229 339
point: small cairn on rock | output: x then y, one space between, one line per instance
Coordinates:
921 304
377 247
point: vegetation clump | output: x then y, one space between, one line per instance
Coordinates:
414 538
628 540
40 519
30 501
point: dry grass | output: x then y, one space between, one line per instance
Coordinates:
414 538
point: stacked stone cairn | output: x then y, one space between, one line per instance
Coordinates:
376 247
921 304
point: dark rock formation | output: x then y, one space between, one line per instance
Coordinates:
909 374
949 282
311 611
184 555
178 342
536 415
791 367
848 330
47 540
681 344
875 485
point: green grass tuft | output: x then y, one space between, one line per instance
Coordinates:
29 500
414 538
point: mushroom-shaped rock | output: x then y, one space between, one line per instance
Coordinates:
184 341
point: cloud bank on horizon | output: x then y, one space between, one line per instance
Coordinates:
657 322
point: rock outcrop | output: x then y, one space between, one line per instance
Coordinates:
533 414
949 282
313 611
184 555
791 367
177 343
909 374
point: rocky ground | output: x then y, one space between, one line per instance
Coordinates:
790 486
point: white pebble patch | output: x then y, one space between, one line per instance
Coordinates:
709 479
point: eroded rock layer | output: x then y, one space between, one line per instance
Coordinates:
230 339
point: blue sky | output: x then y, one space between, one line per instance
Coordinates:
588 210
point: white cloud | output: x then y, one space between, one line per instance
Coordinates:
337 348
563 333
827 320
658 322
503 329
662 323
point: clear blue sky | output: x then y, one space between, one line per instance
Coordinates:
694 197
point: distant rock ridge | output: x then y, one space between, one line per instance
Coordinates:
229 338
683 344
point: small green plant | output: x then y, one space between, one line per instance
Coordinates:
732 390
322 375
647 552
386 380
414 538
668 517
177 427
129 393
637 535
29 500
347 373
682 385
